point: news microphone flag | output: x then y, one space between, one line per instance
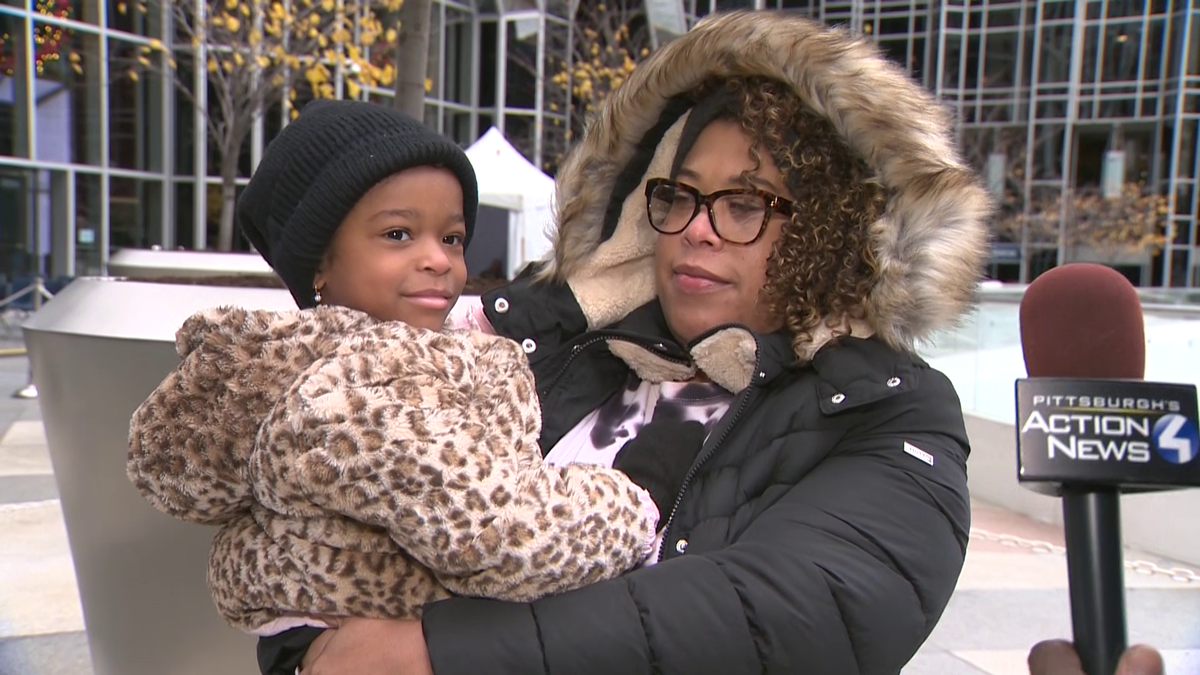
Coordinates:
1132 435
1089 429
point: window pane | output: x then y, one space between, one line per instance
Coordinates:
185 120
555 99
88 210
14 87
1056 53
521 82
87 11
1122 47
489 46
134 16
1000 67
212 225
135 108
458 127
519 130
953 63
17 222
433 64
79 10
135 213
1193 50
68 89
459 58
185 214
1047 151
431 115
213 202
1183 203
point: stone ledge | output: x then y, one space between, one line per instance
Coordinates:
1159 523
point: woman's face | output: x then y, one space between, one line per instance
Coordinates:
703 281
398 255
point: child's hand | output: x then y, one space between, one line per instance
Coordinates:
659 458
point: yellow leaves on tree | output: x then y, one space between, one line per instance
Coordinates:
256 54
282 43
604 50
606 53
1131 222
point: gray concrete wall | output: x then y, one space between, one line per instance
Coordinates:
1162 523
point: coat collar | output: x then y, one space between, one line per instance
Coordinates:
856 370
732 355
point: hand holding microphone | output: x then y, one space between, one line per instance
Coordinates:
1058 657
1089 429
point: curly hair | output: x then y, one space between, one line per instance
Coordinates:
822 267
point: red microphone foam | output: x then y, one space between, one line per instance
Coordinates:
1083 321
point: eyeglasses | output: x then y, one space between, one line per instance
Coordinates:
737 216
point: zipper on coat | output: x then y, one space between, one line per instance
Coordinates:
743 402
578 349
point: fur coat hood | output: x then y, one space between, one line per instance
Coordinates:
930 244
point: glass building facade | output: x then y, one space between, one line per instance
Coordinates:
1044 90
92 161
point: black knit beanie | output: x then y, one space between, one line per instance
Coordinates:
317 169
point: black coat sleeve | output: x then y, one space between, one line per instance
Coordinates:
846 573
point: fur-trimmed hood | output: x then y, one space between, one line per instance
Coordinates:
930 244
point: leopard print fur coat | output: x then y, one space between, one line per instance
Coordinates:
366 468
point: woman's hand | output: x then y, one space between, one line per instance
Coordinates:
1058 657
369 647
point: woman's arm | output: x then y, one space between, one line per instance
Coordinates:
848 572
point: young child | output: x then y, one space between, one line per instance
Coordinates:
362 458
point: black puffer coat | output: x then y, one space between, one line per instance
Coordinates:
824 524
812 538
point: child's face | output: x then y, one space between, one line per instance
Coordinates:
398 255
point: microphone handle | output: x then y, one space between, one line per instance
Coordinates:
1095 568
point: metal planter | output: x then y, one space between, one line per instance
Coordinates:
97 350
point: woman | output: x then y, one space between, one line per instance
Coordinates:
767 215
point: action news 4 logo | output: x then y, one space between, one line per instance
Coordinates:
1107 432
1176 439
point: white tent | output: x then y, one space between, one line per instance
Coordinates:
509 181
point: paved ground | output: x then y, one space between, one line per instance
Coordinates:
41 624
1009 596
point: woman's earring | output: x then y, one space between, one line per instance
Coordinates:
317 295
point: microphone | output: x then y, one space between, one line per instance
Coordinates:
1089 429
